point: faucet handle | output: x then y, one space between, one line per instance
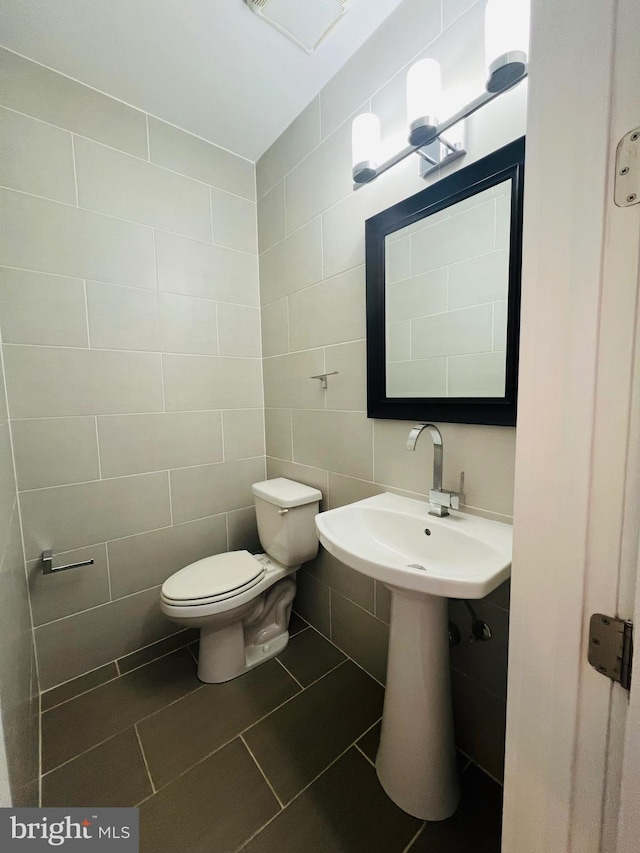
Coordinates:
458 498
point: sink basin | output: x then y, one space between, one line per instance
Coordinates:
423 560
394 540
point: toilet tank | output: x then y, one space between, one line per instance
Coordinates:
286 511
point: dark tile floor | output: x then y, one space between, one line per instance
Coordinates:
278 760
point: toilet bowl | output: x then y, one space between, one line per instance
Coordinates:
242 603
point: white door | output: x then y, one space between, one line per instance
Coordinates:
577 494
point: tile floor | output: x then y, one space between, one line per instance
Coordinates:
278 760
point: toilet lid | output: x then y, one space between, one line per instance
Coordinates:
214 577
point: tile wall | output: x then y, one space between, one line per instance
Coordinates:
19 702
311 243
129 310
447 281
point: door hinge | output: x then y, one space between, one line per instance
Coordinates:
611 647
627 182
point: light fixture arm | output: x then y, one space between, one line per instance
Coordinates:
462 114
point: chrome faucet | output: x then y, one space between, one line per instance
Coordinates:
439 501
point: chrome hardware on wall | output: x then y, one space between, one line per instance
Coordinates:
48 568
323 378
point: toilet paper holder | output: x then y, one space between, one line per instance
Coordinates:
48 568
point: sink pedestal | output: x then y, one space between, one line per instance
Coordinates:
416 761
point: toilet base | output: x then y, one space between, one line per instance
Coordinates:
225 663
261 633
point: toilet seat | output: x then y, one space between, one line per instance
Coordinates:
213 579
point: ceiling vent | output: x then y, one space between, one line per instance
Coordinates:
305 23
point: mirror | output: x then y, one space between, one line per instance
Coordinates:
443 297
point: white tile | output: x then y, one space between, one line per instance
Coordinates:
39 92
120 185
234 221
292 264
503 222
397 259
499 326
36 158
398 341
211 489
133 319
287 382
67 517
271 217
239 330
467 330
198 382
453 9
42 309
52 381
480 375
136 444
320 180
243 433
55 451
347 390
482 279
417 296
455 239
302 135
420 378
328 313
199 269
278 433
148 559
44 235
343 233
335 441
182 152
275 328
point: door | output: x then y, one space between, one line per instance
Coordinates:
577 493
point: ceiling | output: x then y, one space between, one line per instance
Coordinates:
212 67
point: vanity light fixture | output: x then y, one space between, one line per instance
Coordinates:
438 142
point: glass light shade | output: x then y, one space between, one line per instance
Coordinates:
506 39
424 90
365 140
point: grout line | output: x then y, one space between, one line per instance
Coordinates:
144 757
137 288
141 474
150 352
191 652
366 757
120 674
119 732
293 799
75 171
264 775
415 838
136 222
301 686
126 104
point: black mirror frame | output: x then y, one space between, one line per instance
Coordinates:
507 162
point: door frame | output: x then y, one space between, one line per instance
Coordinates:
577 487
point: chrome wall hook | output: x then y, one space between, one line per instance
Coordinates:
323 378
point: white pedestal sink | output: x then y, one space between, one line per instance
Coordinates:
423 560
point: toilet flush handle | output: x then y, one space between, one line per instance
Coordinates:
283 511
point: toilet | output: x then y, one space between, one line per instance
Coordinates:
240 602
